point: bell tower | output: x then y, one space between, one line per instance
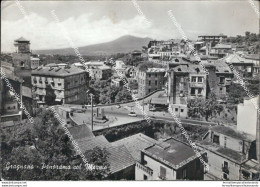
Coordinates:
22 54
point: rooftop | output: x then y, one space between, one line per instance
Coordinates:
81 131
134 144
152 70
189 68
234 58
21 39
89 143
233 133
222 46
61 71
119 158
172 152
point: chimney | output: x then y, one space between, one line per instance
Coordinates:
258 130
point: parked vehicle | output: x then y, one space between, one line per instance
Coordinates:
132 114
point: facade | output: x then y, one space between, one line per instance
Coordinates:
68 83
35 62
185 82
169 160
151 80
99 71
220 78
220 50
213 39
10 110
243 66
227 150
255 59
247 116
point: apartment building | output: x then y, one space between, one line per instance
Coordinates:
169 160
151 80
213 39
68 83
187 81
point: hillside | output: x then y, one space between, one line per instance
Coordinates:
123 44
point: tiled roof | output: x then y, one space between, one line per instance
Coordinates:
232 133
57 71
134 144
119 158
89 143
192 68
21 39
222 46
234 58
156 70
253 56
81 131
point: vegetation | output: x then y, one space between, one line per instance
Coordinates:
44 143
104 93
155 129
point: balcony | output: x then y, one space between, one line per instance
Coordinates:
145 169
196 85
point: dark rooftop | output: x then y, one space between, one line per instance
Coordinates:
173 153
134 144
119 158
80 131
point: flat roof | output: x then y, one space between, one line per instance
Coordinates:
172 152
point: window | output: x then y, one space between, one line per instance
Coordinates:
225 176
220 89
182 110
162 172
199 91
225 164
149 90
225 142
198 164
149 83
200 79
192 92
221 80
149 75
145 177
216 139
184 173
245 174
193 79
13 107
155 82
155 75
176 109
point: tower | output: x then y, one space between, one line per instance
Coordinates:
22 54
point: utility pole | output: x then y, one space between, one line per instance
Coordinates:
91 96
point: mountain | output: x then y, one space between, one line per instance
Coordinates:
123 44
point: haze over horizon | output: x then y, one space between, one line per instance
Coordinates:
91 22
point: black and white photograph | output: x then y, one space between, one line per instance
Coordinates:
131 92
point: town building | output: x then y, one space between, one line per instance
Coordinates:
10 110
227 150
185 82
35 62
247 116
169 160
98 70
243 66
150 80
220 78
68 83
213 39
221 50
255 59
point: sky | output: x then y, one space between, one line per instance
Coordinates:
91 22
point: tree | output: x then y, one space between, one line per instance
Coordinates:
46 144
